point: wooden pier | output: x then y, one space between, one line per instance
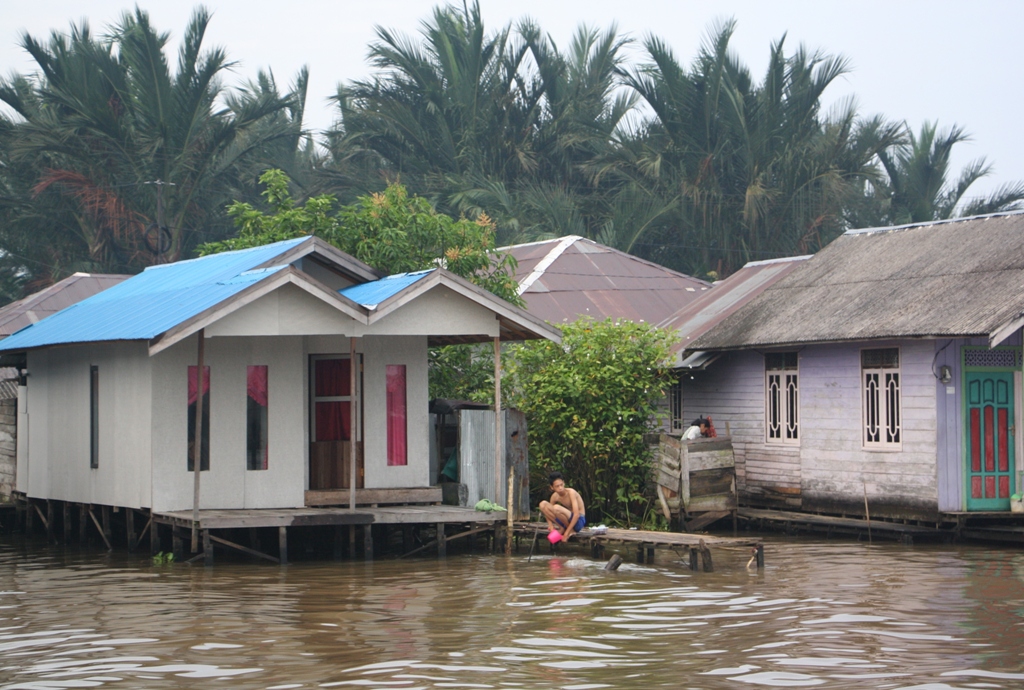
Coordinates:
696 546
283 518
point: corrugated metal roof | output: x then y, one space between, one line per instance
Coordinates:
570 277
723 299
951 279
373 293
153 301
50 300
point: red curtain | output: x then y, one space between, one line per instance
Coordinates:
193 372
333 377
257 384
396 408
333 421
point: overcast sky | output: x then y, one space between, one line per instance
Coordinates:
913 60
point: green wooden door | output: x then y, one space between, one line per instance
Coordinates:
990 440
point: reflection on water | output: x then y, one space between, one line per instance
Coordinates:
831 615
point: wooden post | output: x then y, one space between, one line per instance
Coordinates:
339 542
407 540
66 510
129 519
353 455
177 543
693 559
282 544
154 535
254 539
705 556
351 541
650 554
197 445
639 553
83 522
442 543
207 548
760 556
105 516
497 421
368 542
30 518
49 521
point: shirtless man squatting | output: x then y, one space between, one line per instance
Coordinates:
564 512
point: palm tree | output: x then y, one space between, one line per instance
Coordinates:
124 143
754 169
917 186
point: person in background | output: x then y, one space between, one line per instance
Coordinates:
700 428
565 512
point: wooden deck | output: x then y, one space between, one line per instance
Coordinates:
312 517
646 542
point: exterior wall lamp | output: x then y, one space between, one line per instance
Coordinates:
945 374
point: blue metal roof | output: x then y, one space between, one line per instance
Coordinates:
371 294
154 301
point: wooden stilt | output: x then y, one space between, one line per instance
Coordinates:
694 566
83 522
352 541
154 536
177 543
243 549
129 519
760 556
207 549
99 528
282 544
66 517
368 542
442 542
705 556
49 521
640 553
339 542
650 554
105 513
254 539
407 538
30 519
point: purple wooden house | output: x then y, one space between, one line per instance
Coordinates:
888 365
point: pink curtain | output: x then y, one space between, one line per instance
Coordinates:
193 372
396 410
257 384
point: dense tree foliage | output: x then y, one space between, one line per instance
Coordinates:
589 402
698 164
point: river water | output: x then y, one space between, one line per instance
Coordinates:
827 614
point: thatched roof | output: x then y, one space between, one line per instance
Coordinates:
955 278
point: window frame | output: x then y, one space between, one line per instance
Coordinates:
882 401
789 430
675 405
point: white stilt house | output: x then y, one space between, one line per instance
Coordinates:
308 355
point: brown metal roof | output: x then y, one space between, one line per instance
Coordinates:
724 299
39 305
569 277
956 278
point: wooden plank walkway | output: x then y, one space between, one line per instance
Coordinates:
310 517
646 542
831 522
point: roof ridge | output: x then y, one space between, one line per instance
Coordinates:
293 241
545 263
922 224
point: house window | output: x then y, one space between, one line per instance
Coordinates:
193 397
397 452
256 449
675 404
883 422
94 417
782 398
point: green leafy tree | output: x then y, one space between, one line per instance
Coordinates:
588 403
394 233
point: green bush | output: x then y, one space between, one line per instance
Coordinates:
588 403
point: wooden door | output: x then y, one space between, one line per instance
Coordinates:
330 448
990 439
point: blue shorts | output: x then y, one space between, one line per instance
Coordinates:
581 522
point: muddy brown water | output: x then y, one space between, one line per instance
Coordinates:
821 614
